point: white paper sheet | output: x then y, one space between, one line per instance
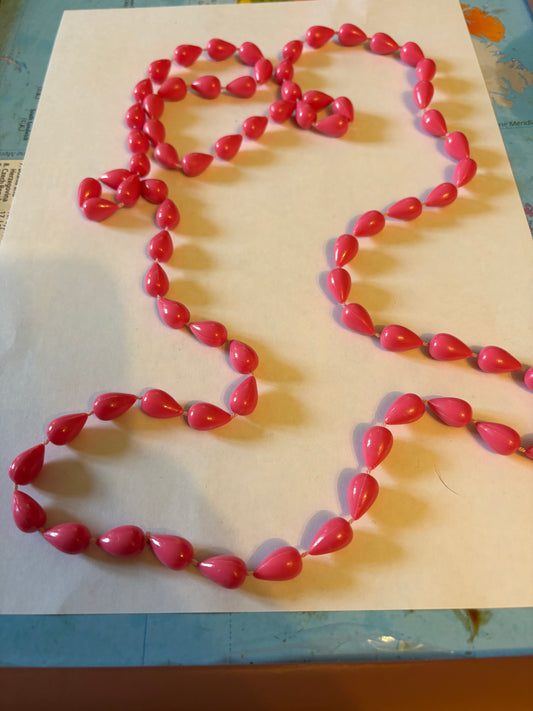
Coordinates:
452 525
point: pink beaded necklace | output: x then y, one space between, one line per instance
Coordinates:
316 111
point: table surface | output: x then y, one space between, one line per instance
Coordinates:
502 34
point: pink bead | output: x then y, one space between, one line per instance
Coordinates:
334 126
350 35
283 564
426 69
381 43
290 91
357 318
167 216
156 281
140 164
451 410
344 107
154 106
318 35
225 570
263 70
28 515
500 438
411 54
159 404
154 130
405 409
204 416
305 115
27 466
433 123
464 171
444 194
369 224
254 127
292 50
529 452
284 71
70 538
407 209
187 54
137 141
456 145
331 536
109 406
142 89
154 190
88 188
443 346
98 209
227 147
173 89
243 399
160 247
492 359
166 155
279 111
158 70
243 358
212 333
528 378
377 443
423 93
173 313
135 116
339 284
219 49
64 429
249 53
122 541
173 551
362 492
345 249
113 178
242 87
208 87
193 164
399 338
129 191
317 99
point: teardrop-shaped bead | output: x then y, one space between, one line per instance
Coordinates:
166 155
64 429
451 410
363 490
405 409
291 91
140 163
249 53
444 346
208 87
192 164
357 318
142 89
426 69
456 145
381 43
71 538
28 514
333 535
442 195
122 541
158 70
317 36
154 190
243 358
135 116
156 281
173 313
411 54
174 552
423 93
154 105
98 209
369 224
334 125
408 208
137 141
160 247
399 338
280 110
225 570
500 438
528 378
284 71
254 126
219 49
204 416
187 54
88 188
109 406
27 466
263 70
282 564
159 404
464 171
433 123
173 89
350 35
212 333
304 114
376 445
227 147
242 87
317 99
154 130
345 249
243 399
344 107
167 216
339 284
529 452
129 191
292 50
493 359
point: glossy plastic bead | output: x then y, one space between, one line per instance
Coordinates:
423 93
456 145
444 346
174 552
405 409
204 416
27 466
334 126
290 91
154 106
254 127
109 406
242 87
70 538
129 191
344 107
500 438
28 514
345 249
154 190
381 43
137 141
369 224
376 445
464 171
142 89
98 209
243 399
411 54
317 36
219 49
279 111
192 164
173 89
399 338
166 155
305 115
357 318
350 35
159 404
208 87
528 378
444 194
363 490
139 163
167 216
451 410
243 358
156 281
283 564
135 116
225 570
249 53
317 99
212 333
263 70
158 70
187 54
64 429
333 535
433 123
426 69
292 50
88 188
408 208
122 541
113 178
284 71
160 247
154 130
227 147
339 284
493 359
173 313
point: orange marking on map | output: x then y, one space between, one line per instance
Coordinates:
481 24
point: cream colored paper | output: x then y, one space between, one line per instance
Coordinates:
452 525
